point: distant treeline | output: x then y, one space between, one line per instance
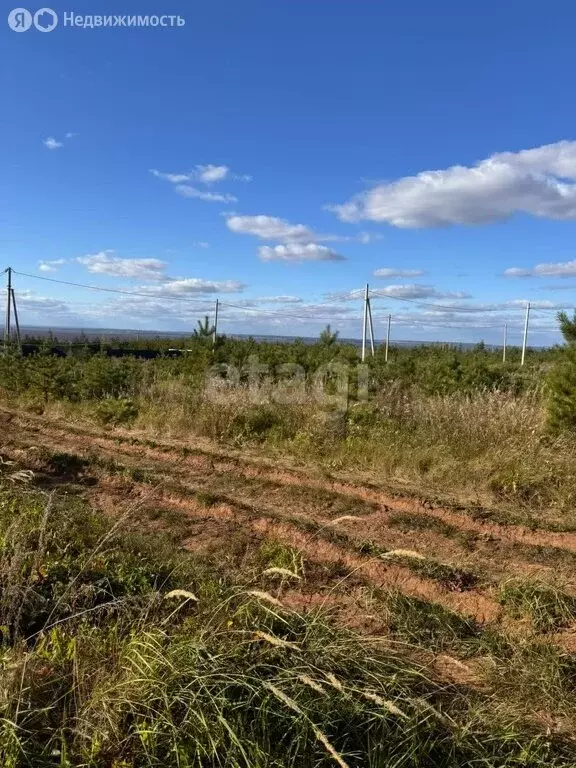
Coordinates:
82 369
108 350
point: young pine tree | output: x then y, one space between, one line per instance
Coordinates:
561 382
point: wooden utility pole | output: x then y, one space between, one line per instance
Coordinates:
525 337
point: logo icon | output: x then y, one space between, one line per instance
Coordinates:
19 20
45 20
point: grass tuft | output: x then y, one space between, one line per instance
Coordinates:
547 606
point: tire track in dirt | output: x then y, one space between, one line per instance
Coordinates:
262 486
218 460
259 496
316 549
272 524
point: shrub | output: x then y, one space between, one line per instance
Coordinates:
257 421
561 390
116 411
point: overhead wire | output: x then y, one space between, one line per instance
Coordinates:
299 316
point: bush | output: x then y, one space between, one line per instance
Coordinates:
116 411
258 421
561 389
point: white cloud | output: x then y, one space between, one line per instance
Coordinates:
51 265
205 174
275 228
392 272
200 244
104 263
269 228
212 173
193 285
553 269
70 135
368 237
298 252
29 301
517 272
406 291
175 178
270 300
279 300
537 181
416 291
187 191
51 143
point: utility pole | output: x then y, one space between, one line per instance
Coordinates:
504 344
8 304
365 322
16 323
387 339
215 323
525 338
371 327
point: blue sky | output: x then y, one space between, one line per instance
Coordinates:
279 154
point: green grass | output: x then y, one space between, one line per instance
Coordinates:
429 624
450 577
119 651
547 606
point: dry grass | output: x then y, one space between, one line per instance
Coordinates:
493 448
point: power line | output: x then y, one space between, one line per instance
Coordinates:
110 290
162 296
452 308
288 314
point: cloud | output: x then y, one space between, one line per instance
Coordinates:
279 300
192 285
50 266
416 291
104 263
298 252
406 291
275 228
537 181
268 228
29 301
553 269
200 244
392 272
51 143
212 173
175 178
517 272
368 237
187 191
205 174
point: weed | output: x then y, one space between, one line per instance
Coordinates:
427 623
546 605
207 498
116 411
450 577
408 522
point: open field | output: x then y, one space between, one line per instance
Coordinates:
208 563
476 609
